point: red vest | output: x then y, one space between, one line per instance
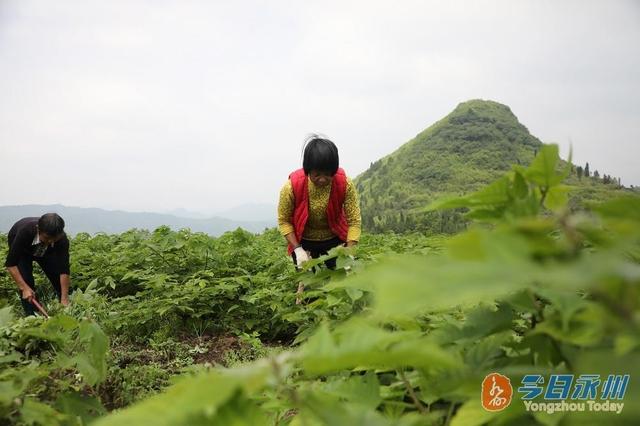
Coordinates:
335 208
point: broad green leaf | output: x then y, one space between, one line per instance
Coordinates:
486 352
238 411
92 373
524 301
472 414
92 364
479 244
6 316
620 208
585 328
556 198
13 382
549 419
520 188
565 303
201 395
626 343
357 389
542 170
328 411
354 293
9 390
57 329
359 344
80 406
92 285
37 413
411 285
481 321
494 194
11 357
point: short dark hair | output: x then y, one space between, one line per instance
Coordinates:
51 224
320 154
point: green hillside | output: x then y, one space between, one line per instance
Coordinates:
464 151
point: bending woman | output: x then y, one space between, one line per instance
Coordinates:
318 207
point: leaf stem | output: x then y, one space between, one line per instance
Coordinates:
449 414
543 191
412 394
160 254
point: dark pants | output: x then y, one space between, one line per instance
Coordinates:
320 248
49 267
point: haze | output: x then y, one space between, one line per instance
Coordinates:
159 105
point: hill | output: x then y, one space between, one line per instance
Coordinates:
93 220
473 145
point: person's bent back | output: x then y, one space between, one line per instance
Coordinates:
44 241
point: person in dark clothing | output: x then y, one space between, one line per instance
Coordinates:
43 240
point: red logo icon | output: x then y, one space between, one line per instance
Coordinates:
496 392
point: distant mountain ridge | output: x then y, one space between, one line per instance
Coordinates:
94 220
250 212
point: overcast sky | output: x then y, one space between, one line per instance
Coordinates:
202 105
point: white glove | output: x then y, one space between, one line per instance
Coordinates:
301 256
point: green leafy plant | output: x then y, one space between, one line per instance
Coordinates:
532 288
402 333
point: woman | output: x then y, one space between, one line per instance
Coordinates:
318 207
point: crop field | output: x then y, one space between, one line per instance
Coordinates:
174 327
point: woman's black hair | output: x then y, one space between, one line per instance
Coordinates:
51 224
320 154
